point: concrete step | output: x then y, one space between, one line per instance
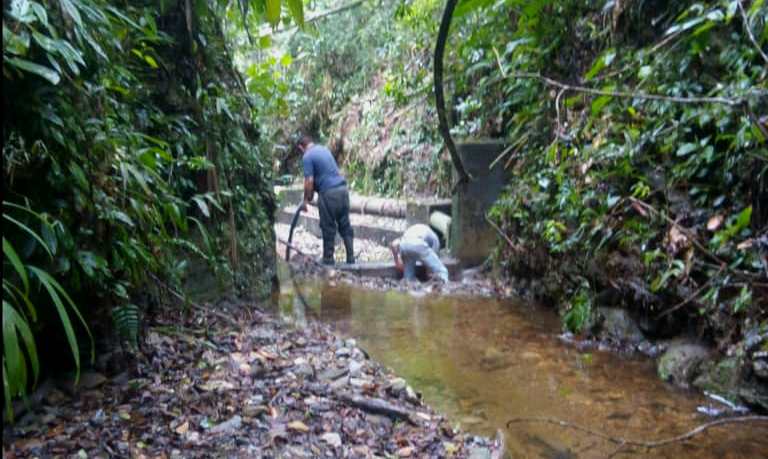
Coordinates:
384 231
387 269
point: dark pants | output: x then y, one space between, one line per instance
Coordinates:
334 216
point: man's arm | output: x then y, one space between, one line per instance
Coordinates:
395 248
309 192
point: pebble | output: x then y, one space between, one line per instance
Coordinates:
355 368
332 438
343 352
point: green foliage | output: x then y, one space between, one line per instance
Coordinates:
124 123
21 304
578 314
602 177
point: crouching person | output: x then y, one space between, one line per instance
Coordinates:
418 244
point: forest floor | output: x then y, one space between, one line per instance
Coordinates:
232 380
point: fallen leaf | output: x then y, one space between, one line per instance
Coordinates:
182 429
405 452
714 222
298 426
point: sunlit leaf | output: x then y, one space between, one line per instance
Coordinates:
40 70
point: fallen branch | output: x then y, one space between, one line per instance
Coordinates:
512 245
693 296
378 406
644 444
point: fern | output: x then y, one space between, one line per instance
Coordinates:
127 322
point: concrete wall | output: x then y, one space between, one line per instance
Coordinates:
472 238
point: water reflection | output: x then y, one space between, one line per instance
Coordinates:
482 362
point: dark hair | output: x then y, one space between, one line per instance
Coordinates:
304 140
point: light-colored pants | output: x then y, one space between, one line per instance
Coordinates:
415 251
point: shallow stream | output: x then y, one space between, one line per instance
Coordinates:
482 361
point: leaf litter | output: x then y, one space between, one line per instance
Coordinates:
203 388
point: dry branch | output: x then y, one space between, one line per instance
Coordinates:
692 296
629 95
639 443
378 406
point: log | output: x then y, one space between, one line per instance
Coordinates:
378 406
377 206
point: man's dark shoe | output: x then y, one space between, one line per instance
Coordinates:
328 262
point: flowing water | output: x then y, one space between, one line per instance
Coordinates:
482 361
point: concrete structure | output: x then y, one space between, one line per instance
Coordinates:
380 233
419 211
387 269
472 238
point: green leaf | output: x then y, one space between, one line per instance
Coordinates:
12 355
10 253
273 11
15 43
686 149
202 205
26 229
20 324
72 11
57 292
121 216
603 61
468 6
599 103
51 75
742 221
296 7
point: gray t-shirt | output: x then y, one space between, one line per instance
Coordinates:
320 165
421 233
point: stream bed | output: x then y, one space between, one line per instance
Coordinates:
483 361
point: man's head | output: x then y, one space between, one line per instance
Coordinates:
304 142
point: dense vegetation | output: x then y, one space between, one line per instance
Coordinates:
136 155
637 141
130 159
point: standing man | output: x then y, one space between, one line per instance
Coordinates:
321 174
418 243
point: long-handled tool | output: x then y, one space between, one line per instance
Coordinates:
290 233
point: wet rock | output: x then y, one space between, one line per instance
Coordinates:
332 374
332 438
727 378
343 352
480 452
229 426
355 368
397 386
681 361
617 325
412 396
